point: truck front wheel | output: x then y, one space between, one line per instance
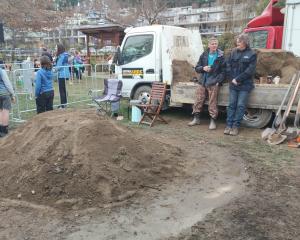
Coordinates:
142 93
257 118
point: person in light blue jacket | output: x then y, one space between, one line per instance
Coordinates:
62 67
44 91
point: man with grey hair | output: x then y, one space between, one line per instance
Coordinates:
241 66
211 66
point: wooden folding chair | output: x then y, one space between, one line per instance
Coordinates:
153 107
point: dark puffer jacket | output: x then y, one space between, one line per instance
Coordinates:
241 65
218 69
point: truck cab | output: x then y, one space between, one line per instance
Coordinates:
269 37
146 55
266 30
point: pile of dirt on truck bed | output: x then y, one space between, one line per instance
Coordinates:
270 62
76 159
276 62
183 71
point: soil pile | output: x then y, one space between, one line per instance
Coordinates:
183 71
270 62
76 159
276 62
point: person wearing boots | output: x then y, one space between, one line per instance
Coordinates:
211 66
7 96
241 66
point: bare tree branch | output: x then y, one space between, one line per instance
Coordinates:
30 14
150 10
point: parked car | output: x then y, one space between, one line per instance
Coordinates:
107 49
92 51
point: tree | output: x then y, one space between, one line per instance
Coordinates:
281 3
260 7
29 14
236 18
150 10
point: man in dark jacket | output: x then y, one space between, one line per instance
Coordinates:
211 66
240 68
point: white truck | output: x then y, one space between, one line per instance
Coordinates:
291 31
148 54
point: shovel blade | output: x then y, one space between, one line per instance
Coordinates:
267 132
276 138
292 133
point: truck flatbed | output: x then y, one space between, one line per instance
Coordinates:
264 96
264 100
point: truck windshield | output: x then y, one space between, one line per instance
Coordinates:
258 39
136 47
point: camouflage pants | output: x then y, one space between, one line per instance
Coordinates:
201 94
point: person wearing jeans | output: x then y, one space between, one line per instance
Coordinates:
44 91
62 67
241 66
211 66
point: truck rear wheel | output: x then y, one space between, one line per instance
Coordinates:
142 93
257 118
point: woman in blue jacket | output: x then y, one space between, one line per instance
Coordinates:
241 66
44 92
62 67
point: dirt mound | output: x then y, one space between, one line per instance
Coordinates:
183 71
270 62
276 62
77 159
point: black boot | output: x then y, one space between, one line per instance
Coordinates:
2 134
3 130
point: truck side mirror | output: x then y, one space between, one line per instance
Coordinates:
118 57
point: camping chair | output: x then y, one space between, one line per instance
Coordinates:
153 107
109 101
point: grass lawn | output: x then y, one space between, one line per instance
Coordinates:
77 95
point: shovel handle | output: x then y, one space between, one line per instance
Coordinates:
284 100
290 103
297 117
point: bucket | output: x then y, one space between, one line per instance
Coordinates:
136 114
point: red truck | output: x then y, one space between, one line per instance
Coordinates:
272 30
266 30
275 30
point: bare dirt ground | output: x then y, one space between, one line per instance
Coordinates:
168 182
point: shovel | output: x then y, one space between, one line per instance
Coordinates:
269 131
277 137
295 131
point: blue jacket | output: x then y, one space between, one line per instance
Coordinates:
241 65
62 66
218 69
43 81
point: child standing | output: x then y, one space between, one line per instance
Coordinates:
44 92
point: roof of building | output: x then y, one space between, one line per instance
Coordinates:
96 29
